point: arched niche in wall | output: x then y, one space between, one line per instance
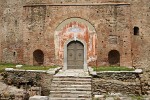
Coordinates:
114 58
38 57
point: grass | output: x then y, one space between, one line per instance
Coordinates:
25 67
137 98
3 66
112 68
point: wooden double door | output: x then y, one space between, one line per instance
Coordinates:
75 55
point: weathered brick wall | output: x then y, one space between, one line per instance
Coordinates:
108 20
1 11
29 28
140 44
11 31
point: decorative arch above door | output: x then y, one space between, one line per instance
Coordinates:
75 29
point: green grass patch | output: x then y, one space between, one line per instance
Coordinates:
137 97
25 67
4 65
28 67
112 68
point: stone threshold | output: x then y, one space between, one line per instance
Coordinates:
73 73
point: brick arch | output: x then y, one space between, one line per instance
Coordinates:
76 29
77 19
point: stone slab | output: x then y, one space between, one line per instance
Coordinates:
39 98
74 73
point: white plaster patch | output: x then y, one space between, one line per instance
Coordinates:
91 59
75 30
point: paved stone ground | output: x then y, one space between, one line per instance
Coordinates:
74 72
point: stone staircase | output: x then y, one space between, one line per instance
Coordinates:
71 87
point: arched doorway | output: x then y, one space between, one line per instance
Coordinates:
38 57
75 55
114 57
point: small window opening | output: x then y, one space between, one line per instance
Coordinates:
14 54
136 31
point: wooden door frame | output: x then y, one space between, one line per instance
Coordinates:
85 54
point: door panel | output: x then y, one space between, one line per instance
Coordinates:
71 45
79 46
79 55
75 55
71 54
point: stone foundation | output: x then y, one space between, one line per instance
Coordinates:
119 82
126 83
21 79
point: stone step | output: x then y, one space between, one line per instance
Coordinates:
72 79
71 92
70 82
59 76
71 86
69 99
70 95
70 89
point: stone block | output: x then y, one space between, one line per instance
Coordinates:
39 98
8 69
138 70
19 66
